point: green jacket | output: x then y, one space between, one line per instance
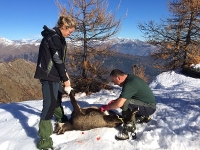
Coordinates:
137 91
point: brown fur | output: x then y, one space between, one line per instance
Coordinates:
86 119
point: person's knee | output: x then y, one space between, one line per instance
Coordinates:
149 111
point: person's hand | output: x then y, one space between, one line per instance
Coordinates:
68 89
66 83
111 102
104 108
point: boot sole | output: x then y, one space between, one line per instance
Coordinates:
121 138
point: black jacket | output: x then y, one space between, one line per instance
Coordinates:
51 57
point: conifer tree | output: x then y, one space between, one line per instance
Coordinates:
94 26
177 37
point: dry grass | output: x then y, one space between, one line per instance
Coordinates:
88 85
17 82
139 70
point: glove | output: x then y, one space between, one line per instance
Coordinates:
111 102
104 108
68 89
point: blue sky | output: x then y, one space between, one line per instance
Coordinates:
24 19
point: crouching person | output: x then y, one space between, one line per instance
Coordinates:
136 101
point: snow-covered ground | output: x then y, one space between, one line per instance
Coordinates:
174 126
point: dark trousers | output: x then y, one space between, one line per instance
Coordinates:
128 108
142 110
52 95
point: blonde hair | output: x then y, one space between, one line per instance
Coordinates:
67 21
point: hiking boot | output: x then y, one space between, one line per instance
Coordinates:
142 119
45 131
128 132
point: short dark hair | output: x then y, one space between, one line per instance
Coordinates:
117 72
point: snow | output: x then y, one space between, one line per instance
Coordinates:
122 45
174 126
5 41
17 43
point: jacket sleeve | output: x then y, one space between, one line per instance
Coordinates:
55 47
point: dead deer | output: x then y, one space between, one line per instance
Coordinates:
87 118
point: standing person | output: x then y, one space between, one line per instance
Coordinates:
51 72
136 101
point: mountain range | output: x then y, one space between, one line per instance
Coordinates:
18 61
132 46
128 52
28 49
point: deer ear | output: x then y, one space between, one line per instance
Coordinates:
58 128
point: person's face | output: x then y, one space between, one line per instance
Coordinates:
116 80
66 31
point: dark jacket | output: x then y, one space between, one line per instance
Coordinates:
51 57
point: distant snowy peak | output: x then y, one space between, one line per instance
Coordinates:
27 41
121 45
132 46
124 40
5 42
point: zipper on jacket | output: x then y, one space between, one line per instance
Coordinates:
65 51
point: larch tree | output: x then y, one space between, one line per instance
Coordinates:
177 38
94 26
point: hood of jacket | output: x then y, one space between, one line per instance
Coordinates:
55 30
47 31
